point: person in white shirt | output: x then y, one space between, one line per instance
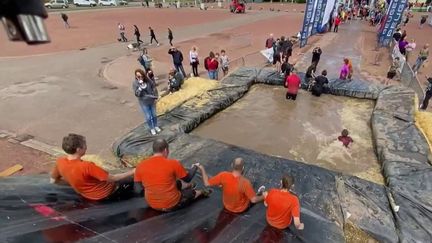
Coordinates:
194 62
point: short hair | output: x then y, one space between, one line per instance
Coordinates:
159 145
345 132
72 142
222 51
238 164
287 181
324 72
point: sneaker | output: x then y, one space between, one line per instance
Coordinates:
206 192
153 132
158 44
158 130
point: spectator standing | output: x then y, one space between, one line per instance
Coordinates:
194 60
423 21
269 42
402 45
145 60
137 36
153 37
428 94
422 57
211 65
65 20
122 30
410 47
170 36
224 60
177 57
397 35
147 94
336 24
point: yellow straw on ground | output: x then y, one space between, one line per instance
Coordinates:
191 87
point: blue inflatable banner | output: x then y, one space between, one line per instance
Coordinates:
392 18
307 21
318 17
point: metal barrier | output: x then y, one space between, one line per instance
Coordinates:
407 76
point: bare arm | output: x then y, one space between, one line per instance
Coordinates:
264 197
121 176
299 225
257 199
204 175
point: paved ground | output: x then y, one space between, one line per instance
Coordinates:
50 95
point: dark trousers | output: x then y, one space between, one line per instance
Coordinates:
179 68
336 28
291 96
426 99
195 69
170 41
153 38
123 37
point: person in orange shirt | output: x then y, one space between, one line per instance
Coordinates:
86 178
165 181
283 206
238 192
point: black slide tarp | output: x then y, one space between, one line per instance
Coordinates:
329 200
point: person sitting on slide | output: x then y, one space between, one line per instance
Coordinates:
238 193
283 206
165 181
86 178
319 84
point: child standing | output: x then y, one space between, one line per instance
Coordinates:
345 138
224 62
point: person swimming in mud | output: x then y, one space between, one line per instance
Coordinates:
345 138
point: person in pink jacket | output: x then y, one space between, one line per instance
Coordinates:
344 70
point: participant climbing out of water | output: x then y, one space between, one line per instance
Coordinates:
316 55
292 83
344 70
345 138
166 181
86 178
310 75
238 193
283 206
319 84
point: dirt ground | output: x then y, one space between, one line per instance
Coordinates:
33 161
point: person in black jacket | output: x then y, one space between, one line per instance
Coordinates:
428 94
137 35
177 57
319 83
316 55
146 92
65 20
153 36
170 36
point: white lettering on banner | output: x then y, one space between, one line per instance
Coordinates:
393 18
307 22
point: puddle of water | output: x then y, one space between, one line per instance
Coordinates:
305 130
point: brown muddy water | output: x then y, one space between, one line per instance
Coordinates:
304 130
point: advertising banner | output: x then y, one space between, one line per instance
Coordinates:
307 22
392 18
318 16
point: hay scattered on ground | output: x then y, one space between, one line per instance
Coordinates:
191 87
424 123
355 235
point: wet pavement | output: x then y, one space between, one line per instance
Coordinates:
305 130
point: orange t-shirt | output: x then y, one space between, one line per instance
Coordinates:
237 191
158 176
281 208
85 178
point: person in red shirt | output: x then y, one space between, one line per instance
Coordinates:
283 206
336 23
345 138
269 42
211 64
165 181
86 178
292 83
238 192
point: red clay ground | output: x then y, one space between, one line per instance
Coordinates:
92 28
33 161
